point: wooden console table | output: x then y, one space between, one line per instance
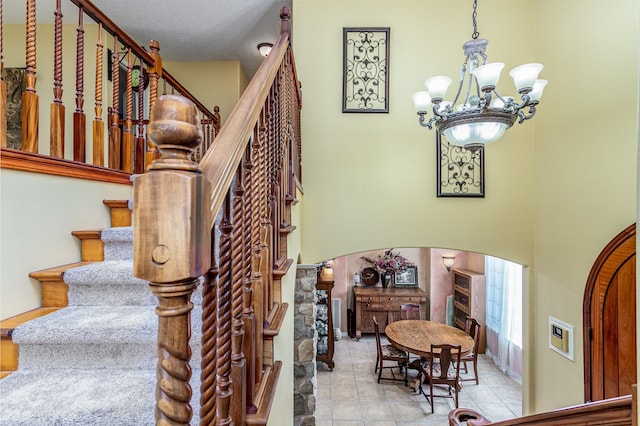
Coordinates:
384 304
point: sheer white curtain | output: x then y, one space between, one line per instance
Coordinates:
504 315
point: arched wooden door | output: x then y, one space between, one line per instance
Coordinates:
609 316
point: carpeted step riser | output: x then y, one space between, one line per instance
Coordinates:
117 294
118 243
111 283
94 356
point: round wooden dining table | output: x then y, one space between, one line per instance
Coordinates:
417 336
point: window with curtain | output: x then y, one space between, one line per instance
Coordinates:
504 315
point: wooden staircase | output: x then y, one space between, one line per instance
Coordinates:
54 289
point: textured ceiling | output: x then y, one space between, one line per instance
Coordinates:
188 30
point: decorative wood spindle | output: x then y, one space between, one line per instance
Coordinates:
114 125
140 142
172 258
247 296
56 126
258 278
127 136
224 390
29 96
208 382
98 124
217 121
79 117
238 372
3 89
155 72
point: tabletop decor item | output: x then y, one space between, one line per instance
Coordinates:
388 264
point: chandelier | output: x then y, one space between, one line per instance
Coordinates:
478 114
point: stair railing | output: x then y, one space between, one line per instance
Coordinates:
619 411
117 142
227 219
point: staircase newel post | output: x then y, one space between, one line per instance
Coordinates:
172 246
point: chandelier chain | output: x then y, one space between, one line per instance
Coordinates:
474 16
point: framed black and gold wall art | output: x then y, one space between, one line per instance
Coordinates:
365 85
460 172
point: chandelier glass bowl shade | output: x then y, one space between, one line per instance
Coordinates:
478 114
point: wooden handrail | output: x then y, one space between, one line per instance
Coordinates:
221 161
112 28
614 411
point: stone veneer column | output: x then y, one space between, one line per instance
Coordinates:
304 343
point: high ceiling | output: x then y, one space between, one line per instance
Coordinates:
188 30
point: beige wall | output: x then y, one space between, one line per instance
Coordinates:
558 187
213 83
585 169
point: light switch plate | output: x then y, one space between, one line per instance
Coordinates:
561 337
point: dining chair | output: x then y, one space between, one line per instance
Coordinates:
413 311
472 327
389 352
444 370
410 311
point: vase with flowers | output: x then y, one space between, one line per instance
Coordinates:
388 264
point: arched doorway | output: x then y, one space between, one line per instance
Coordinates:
609 318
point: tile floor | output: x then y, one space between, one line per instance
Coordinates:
350 395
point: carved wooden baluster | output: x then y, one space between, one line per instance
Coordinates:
238 372
127 136
114 125
247 296
79 117
172 258
269 200
3 89
155 72
56 125
257 224
209 132
29 96
217 121
140 142
224 318
98 124
208 364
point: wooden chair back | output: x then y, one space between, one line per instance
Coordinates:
472 328
448 373
410 311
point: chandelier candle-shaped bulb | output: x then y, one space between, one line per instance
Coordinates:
488 75
437 87
525 76
422 101
536 92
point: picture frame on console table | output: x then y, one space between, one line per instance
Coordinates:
407 278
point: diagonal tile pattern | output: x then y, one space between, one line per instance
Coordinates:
350 395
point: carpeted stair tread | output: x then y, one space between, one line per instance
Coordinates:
91 324
83 397
117 284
